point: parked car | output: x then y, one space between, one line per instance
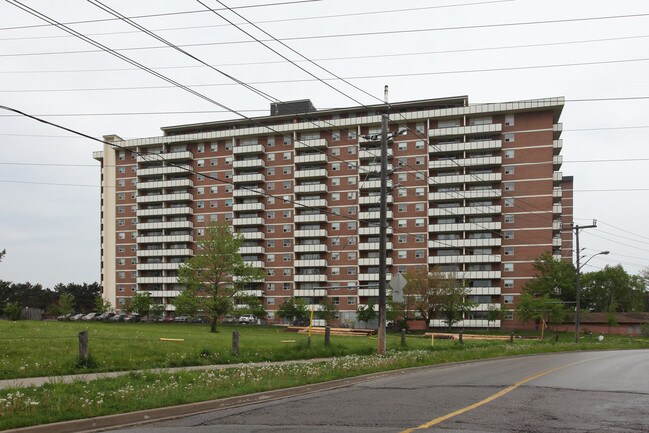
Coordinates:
64 317
77 317
90 316
229 318
133 318
118 318
181 319
248 319
104 316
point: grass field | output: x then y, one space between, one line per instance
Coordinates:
50 348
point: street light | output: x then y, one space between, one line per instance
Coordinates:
578 289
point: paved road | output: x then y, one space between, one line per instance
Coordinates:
570 392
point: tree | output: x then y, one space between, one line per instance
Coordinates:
366 313
251 305
294 310
141 303
102 305
329 311
437 294
216 269
84 294
2 254
13 311
612 290
187 303
157 310
66 303
552 277
494 313
539 309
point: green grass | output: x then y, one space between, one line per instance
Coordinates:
136 346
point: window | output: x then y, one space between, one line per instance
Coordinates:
270 142
335 271
420 128
335 151
335 211
508 267
286 184
270 157
270 214
419 192
402 208
287 170
335 226
335 256
419 254
286 242
419 239
419 207
286 257
509 219
200 190
335 135
351 180
508 251
420 144
509 284
286 286
270 301
200 163
351 195
335 181
402 254
270 272
286 214
351 255
270 186
213 161
351 300
509 169
510 138
510 153
270 171
351 135
509 120
419 222
351 271
335 196
335 166
402 224
509 186
419 160
351 210
287 140
214 147
509 202
286 228
402 177
286 156
508 234
402 239
402 145
351 150
351 225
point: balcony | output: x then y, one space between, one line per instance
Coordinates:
313 173
248 164
465 162
253 236
373 184
157 280
556 242
468 146
319 218
557 225
479 258
461 243
185 196
472 194
248 207
248 149
166 225
311 278
557 192
557 208
316 188
465 178
373 230
484 291
466 323
170 156
374 199
373 154
372 168
373 261
478 275
176 183
374 215
320 233
557 129
373 246
557 145
311 248
312 263
318 143
311 203
164 238
247 192
158 266
248 221
373 277
311 158
467 227
166 211
252 250
169 252
491 128
249 178
373 292
306 293
168 170
557 161
255 263
470 210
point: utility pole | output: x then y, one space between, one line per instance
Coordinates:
576 228
383 222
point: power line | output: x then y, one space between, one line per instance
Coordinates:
363 77
622 230
346 58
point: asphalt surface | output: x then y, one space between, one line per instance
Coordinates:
565 392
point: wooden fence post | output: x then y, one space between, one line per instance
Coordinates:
84 353
327 336
403 338
235 343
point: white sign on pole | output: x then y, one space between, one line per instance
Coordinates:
397 283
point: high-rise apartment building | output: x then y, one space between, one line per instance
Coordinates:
474 190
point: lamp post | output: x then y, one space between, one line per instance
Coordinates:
578 287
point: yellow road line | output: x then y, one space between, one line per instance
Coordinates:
488 399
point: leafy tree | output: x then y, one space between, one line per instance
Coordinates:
2 254
294 310
102 305
141 303
494 313
214 270
251 305
329 311
553 277
66 303
531 308
187 303
13 311
612 290
85 294
367 313
157 311
437 294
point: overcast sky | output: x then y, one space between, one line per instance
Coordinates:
594 53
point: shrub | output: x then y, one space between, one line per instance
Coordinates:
644 330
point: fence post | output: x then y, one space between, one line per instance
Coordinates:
403 338
511 337
235 343
327 336
460 338
84 353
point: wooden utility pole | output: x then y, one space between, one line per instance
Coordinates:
383 229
